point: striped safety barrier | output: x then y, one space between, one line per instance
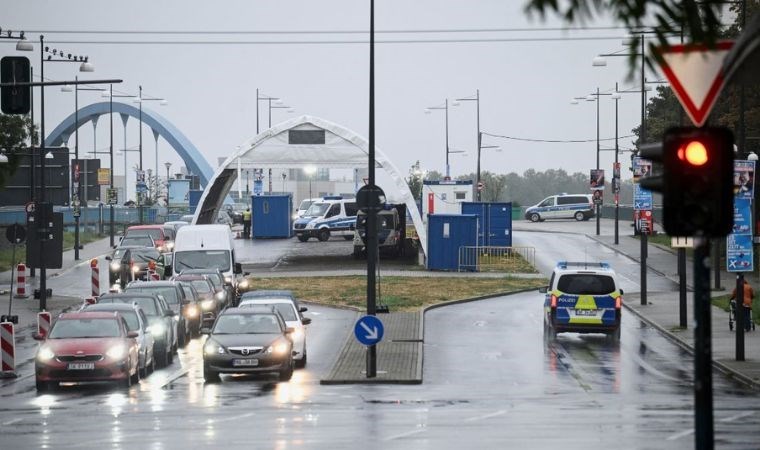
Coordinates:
95 277
8 344
43 323
21 287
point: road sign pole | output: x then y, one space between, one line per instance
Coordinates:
740 316
371 213
703 397
682 313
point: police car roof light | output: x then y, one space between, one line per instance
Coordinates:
332 197
566 264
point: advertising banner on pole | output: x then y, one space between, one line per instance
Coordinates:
597 179
744 179
104 176
739 248
642 198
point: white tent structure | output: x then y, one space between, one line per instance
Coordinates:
298 143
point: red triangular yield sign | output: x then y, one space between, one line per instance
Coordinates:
695 75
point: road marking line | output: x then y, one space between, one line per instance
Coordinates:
174 376
11 422
227 419
487 416
408 433
738 416
680 435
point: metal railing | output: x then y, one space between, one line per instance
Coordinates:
495 259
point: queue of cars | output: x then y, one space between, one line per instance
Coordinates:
141 323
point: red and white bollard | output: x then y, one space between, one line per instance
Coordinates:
21 288
43 323
8 344
95 277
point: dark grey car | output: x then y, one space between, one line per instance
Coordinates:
175 298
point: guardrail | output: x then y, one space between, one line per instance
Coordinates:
495 259
96 216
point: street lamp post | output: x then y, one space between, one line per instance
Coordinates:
168 165
445 107
479 134
310 171
268 99
141 175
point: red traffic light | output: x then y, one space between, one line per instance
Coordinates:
693 152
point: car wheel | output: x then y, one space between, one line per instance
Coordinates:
579 216
535 217
301 363
211 376
163 357
303 238
323 235
287 373
182 337
550 334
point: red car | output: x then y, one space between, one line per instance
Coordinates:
87 346
157 232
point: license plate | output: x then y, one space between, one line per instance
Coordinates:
245 362
585 312
81 366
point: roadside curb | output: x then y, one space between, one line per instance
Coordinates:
729 372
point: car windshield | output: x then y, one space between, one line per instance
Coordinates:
305 205
286 310
586 284
188 291
144 241
169 293
201 286
85 328
146 303
155 233
247 324
317 209
144 256
202 259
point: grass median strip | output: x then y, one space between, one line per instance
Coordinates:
399 293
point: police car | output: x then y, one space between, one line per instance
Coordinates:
563 206
330 216
582 297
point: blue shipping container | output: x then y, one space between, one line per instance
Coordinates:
194 196
446 234
494 224
271 216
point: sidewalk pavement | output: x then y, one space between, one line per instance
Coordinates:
662 310
27 308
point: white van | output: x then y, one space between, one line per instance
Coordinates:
304 206
563 206
206 247
329 216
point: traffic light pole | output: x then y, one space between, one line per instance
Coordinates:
703 396
371 212
740 317
682 313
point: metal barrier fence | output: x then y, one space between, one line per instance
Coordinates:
495 259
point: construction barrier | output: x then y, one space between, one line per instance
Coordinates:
43 323
95 278
8 344
21 287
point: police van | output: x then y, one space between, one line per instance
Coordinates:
329 216
582 297
563 206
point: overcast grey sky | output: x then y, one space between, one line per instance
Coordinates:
525 82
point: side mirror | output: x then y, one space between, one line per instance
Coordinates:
133 334
205 330
306 320
621 292
543 289
108 258
302 309
38 337
170 313
238 268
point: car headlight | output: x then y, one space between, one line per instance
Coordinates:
117 351
243 284
192 311
309 226
157 329
212 348
170 245
297 334
45 354
207 305
135 269
220 295
228 280
116 288
115 266
295 216
278 349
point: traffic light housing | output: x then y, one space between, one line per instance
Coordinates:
15 99
696 181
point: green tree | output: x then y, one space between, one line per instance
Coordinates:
14 134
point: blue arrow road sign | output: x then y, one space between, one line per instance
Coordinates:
368 330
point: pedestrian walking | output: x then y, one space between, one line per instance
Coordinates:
247 223
748 296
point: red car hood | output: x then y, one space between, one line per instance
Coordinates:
83 346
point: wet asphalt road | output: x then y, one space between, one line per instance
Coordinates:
490 381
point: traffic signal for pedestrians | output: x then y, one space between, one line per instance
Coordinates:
696 181
13 99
